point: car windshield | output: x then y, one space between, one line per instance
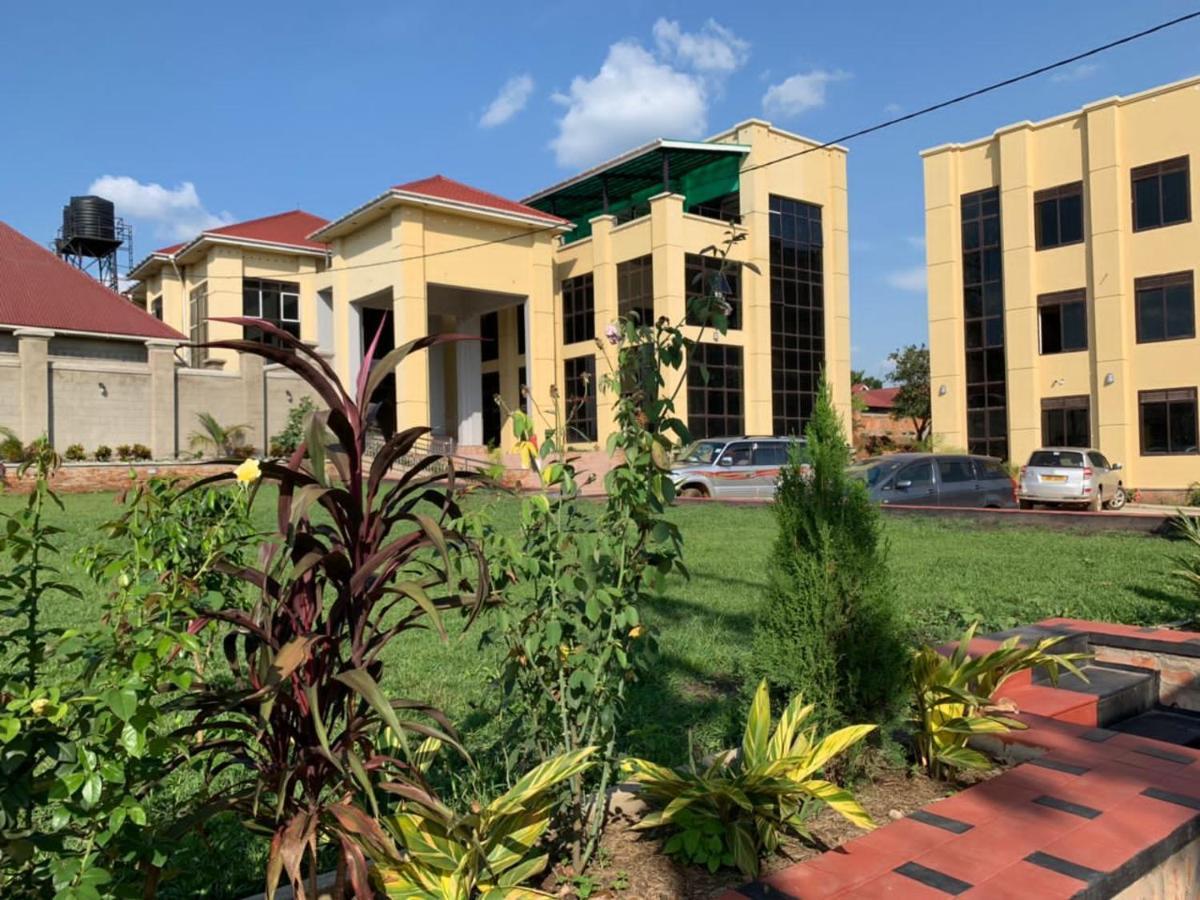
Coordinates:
1061 459
872 473
701 452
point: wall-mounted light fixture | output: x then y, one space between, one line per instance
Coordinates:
103 389
1110 378
942 391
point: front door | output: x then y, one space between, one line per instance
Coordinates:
913 485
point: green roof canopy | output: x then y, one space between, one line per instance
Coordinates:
700 171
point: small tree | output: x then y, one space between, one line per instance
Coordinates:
858 376
910 372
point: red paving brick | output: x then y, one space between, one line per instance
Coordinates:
892 885
1054 703
1025 881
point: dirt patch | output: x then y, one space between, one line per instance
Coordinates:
631 865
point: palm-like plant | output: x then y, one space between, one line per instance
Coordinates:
1188 527
952 697
221 440
304 728
740 806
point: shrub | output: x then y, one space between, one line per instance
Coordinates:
737 809
1193 494
487 851
952 697
124 452
140 451
103 453
12 449
1188 528
75 453
286 442
216 439
828 628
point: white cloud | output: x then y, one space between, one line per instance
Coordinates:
174 212
799 94
714 49
910 279
513 96
1076 73
640 94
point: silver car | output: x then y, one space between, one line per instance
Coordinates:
1070 475
737 468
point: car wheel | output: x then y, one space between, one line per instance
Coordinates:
692 492
1025 504
1117 500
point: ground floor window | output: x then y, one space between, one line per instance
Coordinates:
277 302
579 398
716 395
1168 421
1066 422
198 322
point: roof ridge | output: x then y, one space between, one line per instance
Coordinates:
278 215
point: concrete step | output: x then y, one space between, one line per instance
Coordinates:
1121 692
1175 726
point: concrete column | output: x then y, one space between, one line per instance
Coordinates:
224 276
511 320
1021 347
160 355
604 279
1110 316
33 352
542 364
670 288
254 394
469 395
755 200
943 266
837 291
410 304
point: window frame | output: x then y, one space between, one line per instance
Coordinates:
1060 299
156 307
1161 283
724 359
635 288
1056 195
285 289
582 421
1166 397
198 323
698 267
579 308
981 217
1157 170
489 336
1059 407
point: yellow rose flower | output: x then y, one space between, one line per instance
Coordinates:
248 472
40 706
636 631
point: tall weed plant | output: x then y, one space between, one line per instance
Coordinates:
828 627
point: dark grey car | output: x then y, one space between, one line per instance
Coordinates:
938 479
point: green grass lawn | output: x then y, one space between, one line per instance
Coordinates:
946 574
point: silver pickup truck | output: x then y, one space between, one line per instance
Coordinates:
739 468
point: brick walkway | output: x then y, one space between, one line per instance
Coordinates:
1095 811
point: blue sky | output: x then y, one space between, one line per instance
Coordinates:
196 114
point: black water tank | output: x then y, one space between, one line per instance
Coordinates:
89 226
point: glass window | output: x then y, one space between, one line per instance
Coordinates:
1058 215
520 316
1099 460
726 207
490 389
919 474
983 309
703 452
991 470
1056 459
703 278
1160 194
797 311
1062 322
1168 421
489 337
1066 422
579 309
1165 308
276 302
198 322
737 454
635 289
715 391
772 454
954 470
579 398
156 308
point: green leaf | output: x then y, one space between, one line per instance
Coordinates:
366 687
123 702
92 788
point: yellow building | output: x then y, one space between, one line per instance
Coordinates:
540 280
1061 263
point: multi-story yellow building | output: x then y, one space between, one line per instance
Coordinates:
540 280
1061 260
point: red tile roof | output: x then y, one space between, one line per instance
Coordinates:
292 227
167 251
39 290
876 398
441 188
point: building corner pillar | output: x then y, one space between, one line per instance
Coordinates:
33 353
254 406
160 358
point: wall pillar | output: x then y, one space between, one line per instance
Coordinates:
670 289
943 267
254 392
542 365
410 306
469 397
755 200
33 352
160 356
604 283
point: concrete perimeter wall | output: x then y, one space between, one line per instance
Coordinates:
120 392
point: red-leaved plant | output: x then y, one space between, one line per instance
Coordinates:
305 727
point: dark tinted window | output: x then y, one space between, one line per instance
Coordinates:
956 470
1062 322
1099 460
726 207
490 387
797 311
489 332
1058 215
705 277
920 474
1160 194
991 470
579 309
520 314
1168 421
983 313
1066 422
715 391
1166 308
635 289
278 302
770 455
739 454
1060 459
580 397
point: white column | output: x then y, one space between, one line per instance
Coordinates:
469 388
